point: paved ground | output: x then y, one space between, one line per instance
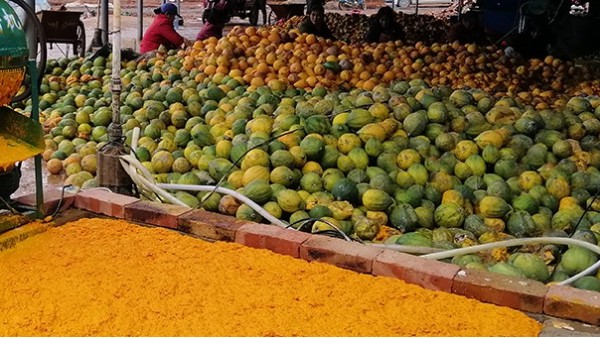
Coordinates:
556 327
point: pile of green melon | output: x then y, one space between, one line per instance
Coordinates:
401 164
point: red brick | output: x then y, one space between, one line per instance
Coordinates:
568 302
514 292
287 242
51 200
349 255
254 234
271 237
209 225
427 273
164 215
82 201
104 202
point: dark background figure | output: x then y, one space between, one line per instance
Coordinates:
221 6
315 24
161 30
468 30
312 4
383 27
576 36
216 18
535 39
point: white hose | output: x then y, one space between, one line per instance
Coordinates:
149 185
237 195
133 160
145 181
411 249
522 241
512 242
583 273
134 140
133 167
139 166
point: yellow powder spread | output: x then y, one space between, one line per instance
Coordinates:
13 150
97 277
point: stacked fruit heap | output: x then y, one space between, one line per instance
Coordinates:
406 162
305 61
352 28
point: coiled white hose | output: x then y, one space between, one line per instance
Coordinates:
132 165
256 207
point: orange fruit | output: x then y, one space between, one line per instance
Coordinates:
364 75
257 82
369 84
210 70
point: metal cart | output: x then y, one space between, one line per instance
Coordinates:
285 10
64 27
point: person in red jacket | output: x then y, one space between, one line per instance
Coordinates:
162 32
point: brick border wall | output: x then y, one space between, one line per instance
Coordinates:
514 292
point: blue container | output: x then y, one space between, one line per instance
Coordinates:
500 22
500 16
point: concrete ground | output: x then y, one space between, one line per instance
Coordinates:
557 327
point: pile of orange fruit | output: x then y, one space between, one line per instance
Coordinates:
280 57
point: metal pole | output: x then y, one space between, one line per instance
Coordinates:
116 132
32 42
110 172
37 161
177 19
140 23
30 33
104 20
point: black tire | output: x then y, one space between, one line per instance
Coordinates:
254 15
272 18
79 46
264 12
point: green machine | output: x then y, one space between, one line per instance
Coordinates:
21 136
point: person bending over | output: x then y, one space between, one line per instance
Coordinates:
162 32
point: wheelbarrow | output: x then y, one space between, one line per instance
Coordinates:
285 10
64 27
